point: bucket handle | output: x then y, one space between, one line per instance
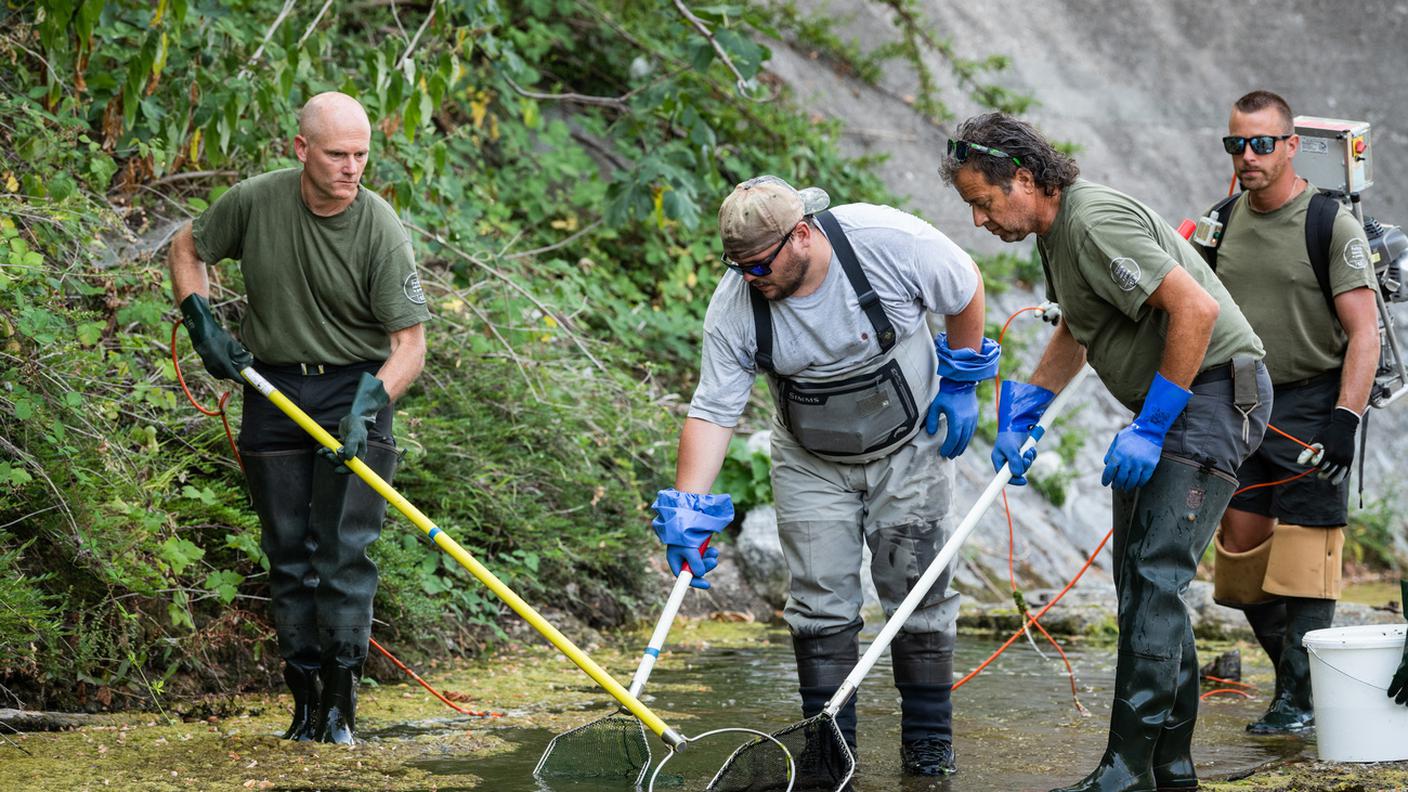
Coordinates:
1344 673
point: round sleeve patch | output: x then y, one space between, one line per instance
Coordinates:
1125 273
1356 254
412 289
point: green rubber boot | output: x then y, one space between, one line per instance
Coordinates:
1161 530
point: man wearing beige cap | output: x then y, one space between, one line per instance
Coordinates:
833 306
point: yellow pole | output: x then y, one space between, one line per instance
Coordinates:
449 545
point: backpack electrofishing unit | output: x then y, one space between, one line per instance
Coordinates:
1335 157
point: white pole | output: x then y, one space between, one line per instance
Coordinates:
945 556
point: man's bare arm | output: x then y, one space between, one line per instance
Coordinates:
1192 312
188 272
965 328
703 446
1359 315
405 362
1060 361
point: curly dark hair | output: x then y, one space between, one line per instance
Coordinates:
1051 169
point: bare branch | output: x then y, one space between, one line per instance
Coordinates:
268 34
308 31
742 86
559 244
411 47
613 102
512 284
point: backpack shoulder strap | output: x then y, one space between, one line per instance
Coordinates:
1319 231
1224 216
869 300
762 328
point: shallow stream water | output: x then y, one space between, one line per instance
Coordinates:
1015 725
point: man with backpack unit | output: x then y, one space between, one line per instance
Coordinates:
1299 265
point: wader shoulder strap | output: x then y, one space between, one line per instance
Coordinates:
1319 230
869 300
762 328
1224 215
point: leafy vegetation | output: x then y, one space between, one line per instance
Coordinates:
556 163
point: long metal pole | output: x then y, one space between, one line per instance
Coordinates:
453 548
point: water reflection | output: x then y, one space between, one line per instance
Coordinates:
1015 727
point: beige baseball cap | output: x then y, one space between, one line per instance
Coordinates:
760 211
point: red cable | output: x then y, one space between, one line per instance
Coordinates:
1230 691
229 435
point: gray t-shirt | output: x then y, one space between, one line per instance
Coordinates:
913 268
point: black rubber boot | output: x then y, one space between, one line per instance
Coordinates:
346 518
923 667
822 665
307 697
1161 530
280 485
337 716
1173 753
1268 623
1291 711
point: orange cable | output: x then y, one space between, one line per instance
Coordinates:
1222 681
1229 691
452 705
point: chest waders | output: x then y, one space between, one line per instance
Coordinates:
864 415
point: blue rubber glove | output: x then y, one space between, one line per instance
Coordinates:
1019 409
683 520
960 371
958 402
1134 453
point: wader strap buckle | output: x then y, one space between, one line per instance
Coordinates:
1245 396
311 369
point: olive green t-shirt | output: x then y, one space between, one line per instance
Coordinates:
320 289
1263 262
1105 253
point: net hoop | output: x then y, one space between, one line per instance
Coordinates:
791 764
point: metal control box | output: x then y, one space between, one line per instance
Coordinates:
1335 154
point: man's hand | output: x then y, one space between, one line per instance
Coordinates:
1398 686
371 398
222 355
958 403
684 521
960 370
1135 451
1333 447
1019 409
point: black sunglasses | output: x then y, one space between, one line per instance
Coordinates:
960 149
1261 144
761 268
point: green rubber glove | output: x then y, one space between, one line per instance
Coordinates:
222 355
1398 687
371 399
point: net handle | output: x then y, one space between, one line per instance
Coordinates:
663 625
791 763
445 542
946 555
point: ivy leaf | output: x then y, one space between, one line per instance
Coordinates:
179 553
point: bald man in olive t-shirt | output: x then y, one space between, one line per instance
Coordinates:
334 319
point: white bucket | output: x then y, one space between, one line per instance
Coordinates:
1350 668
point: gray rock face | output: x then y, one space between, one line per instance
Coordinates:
1144 89
760 556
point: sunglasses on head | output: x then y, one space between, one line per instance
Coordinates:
1261 144
960 149
763 267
